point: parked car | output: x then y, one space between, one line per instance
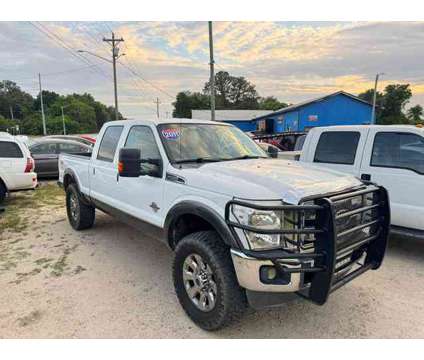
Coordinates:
16 166
244 227
46 153
391 155
80 139
284 141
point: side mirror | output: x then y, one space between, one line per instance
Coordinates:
129 162
272 151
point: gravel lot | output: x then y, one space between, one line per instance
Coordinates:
113 282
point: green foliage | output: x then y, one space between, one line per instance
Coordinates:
186 101
391 104
415 114
83 114
271 103
231 93
14 100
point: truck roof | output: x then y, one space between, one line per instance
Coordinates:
159 121
379 127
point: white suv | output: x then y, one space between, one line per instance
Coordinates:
16 166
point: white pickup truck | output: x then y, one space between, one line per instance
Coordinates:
16 166
245 228
390 155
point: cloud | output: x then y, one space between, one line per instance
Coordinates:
293 61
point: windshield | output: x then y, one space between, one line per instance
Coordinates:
207 142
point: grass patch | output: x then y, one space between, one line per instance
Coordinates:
15 218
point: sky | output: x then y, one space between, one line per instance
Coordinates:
293 61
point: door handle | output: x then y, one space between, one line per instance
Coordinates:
94 171
366 177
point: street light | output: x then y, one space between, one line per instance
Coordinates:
375 97
115 56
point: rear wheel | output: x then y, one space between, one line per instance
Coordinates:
3 192
205 281
80 215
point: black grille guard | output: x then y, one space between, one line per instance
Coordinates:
322 266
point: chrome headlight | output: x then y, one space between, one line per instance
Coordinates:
266 220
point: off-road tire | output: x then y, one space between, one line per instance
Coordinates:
3 192
84 216
230 300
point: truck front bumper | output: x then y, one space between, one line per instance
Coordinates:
249 270
350 237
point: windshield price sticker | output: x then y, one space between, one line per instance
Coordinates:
171 134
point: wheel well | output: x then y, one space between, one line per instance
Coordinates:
186 224
67 180
3 183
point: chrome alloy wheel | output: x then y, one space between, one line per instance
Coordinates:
73 206
199 282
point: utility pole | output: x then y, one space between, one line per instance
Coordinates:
212 76
115 54
42 106
63 121
157 102
375 98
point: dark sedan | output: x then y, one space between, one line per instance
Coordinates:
45 153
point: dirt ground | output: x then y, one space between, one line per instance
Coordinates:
113 282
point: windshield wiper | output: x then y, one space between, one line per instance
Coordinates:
246 157
198 160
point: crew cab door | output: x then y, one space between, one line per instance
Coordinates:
142 197
340 149
104 167
395 159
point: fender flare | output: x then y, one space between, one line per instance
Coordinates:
71 173
204 212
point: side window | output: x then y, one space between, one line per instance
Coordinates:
398 150
337 147
45 148
69 148
141 137
10 150
109 143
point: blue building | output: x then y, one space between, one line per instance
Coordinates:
243 119
340 108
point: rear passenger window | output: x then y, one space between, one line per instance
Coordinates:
337 147
398 150
10 150
109 143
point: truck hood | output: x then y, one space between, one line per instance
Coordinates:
290 181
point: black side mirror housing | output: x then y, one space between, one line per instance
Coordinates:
129 162
272 151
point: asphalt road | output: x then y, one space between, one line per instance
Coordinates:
114 282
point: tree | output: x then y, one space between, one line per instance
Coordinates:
390 104
396 96
49 98
14 100
187 101
233 92
415 113
271 103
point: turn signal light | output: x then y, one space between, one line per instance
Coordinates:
120 167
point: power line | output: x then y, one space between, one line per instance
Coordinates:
57 40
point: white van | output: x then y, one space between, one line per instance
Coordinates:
16 166
389 155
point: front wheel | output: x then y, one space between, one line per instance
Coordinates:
205 281
80 215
